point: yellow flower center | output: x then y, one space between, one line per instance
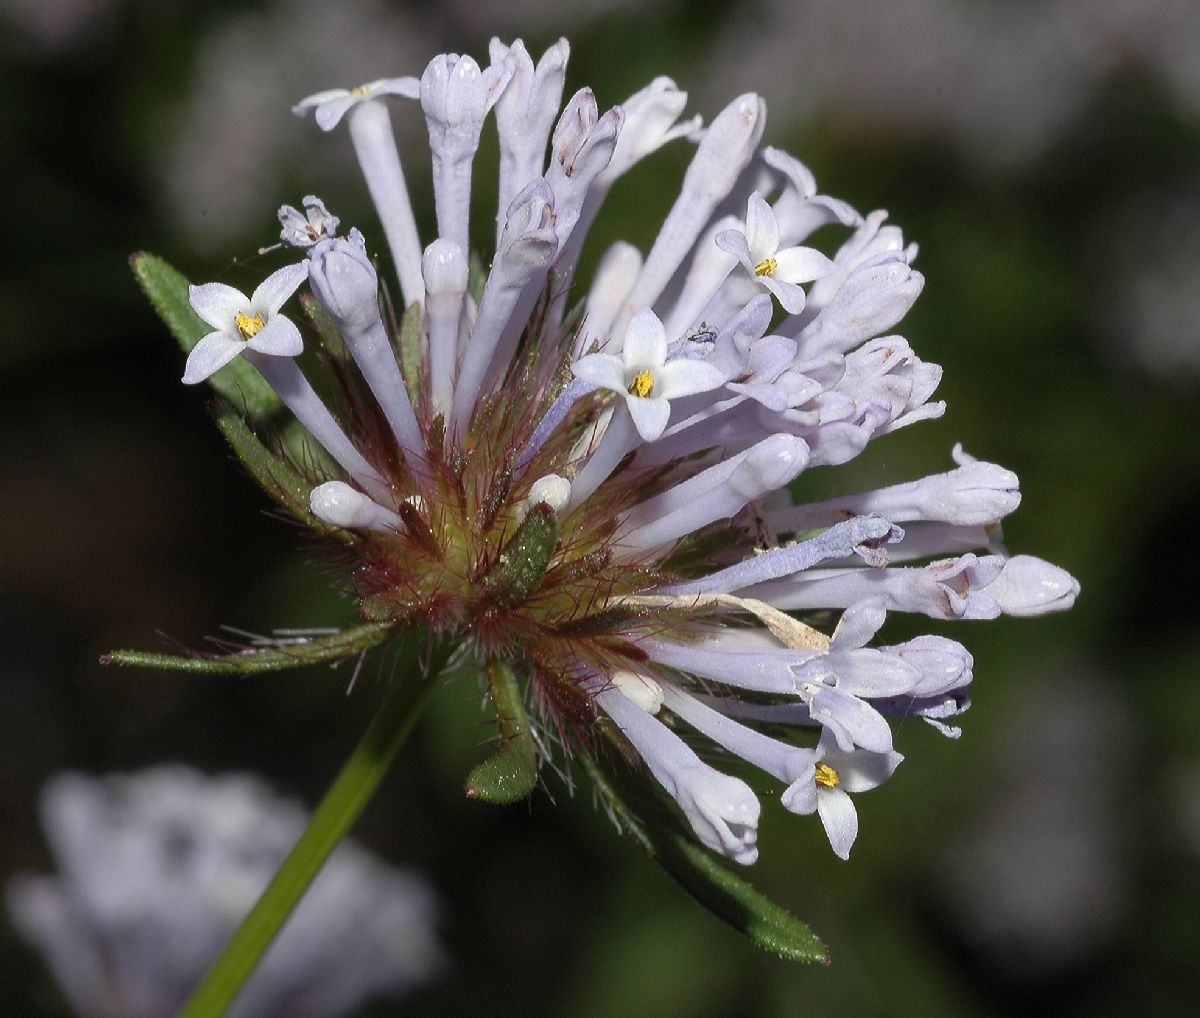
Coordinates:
827 776
247 326
360 90
642 384
766 267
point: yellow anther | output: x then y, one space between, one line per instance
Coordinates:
766 267
360 90
247 326
642 384
827 776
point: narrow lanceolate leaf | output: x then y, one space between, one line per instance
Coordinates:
698 871
300 447
510 775
275 475
167 290
410 350
276 658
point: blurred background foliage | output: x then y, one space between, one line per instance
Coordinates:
1047 158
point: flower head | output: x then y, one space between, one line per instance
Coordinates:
588 486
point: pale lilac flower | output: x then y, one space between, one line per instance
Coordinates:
525 112
242 323
157 869
328 107
825 782
591 483
644 376
780 270
375 146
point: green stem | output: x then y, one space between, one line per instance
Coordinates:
341 807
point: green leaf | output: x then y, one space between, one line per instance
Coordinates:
510 775
518 571
167 291
477 275
410 350
317 650
298 446
275 475
328 335
637 810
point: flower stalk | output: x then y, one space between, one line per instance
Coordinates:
339 810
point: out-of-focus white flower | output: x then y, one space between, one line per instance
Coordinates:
156 871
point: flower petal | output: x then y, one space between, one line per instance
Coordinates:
601 370
790 296
851 721
1031 586
211 354
859 623
645 342
272 293
319 99
408 86
650 416
217 304
861 771
330 113
801 265
762 232
685 377
840 819
279 338
734 241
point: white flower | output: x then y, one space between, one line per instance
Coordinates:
644 375
244 323
332 104
757 250
823 779
156 869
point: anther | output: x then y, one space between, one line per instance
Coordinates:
642 384
247 326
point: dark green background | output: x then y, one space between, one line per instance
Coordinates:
124 517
